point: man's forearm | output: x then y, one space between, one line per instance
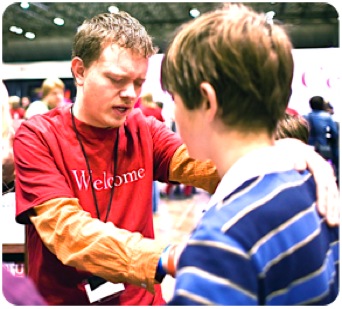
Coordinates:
88 244
188 171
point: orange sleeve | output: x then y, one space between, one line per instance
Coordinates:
89 244
188 171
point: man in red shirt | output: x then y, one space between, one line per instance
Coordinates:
17 112
85 173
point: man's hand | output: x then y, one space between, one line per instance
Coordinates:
305 157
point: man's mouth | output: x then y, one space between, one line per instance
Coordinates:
122 109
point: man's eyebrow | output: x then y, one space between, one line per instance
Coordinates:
124 76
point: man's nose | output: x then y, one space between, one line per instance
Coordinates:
129 92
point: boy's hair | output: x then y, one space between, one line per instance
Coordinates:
14 102
294 126
110 28
51 83
246 58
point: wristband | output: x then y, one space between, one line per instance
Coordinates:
160 268
171 268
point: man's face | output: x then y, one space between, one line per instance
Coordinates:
111 86
54 97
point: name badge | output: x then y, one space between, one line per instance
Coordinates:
101 290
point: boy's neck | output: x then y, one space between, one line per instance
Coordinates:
234 145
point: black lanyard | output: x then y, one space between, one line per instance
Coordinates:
115 156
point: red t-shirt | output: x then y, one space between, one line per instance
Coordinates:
17 113
47 144
155 112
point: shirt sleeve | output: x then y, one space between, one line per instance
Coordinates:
188 171
80 241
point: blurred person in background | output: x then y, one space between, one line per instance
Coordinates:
291 111
335 143
8 170
151 108
329 108
52 96
160 104
25 102
20 291
16 290
17 112
293 126
324 133
261 240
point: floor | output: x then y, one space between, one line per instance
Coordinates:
174 220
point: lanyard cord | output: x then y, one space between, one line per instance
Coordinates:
115 155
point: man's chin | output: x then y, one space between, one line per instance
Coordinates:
116 123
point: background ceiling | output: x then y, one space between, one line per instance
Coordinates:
310 25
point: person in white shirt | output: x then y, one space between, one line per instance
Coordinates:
52 96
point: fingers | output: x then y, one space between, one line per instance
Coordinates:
293 152
328 203
328 197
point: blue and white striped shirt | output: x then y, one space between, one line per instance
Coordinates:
262 243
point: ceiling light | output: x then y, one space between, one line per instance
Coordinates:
25 5
59 21
194 13
16 29
30 35
113 9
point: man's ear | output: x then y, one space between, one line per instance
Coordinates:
210 104
77 69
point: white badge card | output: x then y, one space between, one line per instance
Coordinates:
103 291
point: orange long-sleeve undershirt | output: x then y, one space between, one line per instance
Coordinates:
114 254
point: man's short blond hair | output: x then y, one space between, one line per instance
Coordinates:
51 83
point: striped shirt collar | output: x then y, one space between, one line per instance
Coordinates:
258 162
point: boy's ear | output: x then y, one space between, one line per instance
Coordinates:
77 69
210 104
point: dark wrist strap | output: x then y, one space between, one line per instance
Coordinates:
160 272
